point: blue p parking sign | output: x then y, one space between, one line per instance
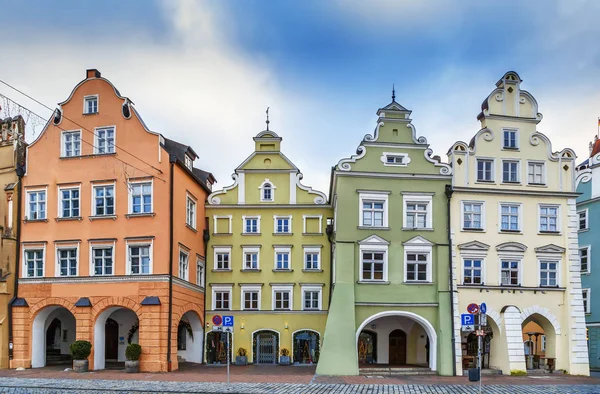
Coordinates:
227 321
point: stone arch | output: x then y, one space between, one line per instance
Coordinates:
536 309
194 349
495 316
108 302
39 324
189 307
52 301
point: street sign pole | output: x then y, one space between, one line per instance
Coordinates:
227 356
479 343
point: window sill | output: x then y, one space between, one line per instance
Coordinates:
417 282
372 282
283 233
221 270
474 230
113 217
313 270
508 148
282 310
311 234
191 228
549 233
490 182
283 270
311 309
511 231
67 219
34 220
417 229
252 234
372 228
90 113
139 215
583 230
513 183
251 270
537 185
585 273
218 234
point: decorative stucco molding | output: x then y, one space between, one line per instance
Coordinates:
373 240
471 148
511 247
213 199
344 164
474 245
320 197
445 169
550 248
565 154
583 176
375 136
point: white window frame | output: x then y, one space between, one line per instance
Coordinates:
200 271
317 289
584 211
277 217
544 174
541 260
462 217
519 271
412 249
373 249
250 250
93 197
60 247
282 250
586 296
312 250
216 223
371 196
520 217
462 273
516 131
189 162
418 198
255 217
141 183
404 159
221 289
139 243
558 221
186 274
85 106
189 198
514 161
60 201
543 337
31 248
63 142
588 248
304 223
492 169
261 191
250 289
107 146
93 246
282 288
222 250
28 210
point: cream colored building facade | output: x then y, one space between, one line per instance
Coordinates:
514 230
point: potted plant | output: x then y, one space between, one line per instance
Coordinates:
133 353
241 358
80 351
284 359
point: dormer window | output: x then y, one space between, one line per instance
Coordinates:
267 191
90 104
188 162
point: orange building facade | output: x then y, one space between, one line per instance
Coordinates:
112 238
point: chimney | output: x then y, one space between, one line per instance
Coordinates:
92 73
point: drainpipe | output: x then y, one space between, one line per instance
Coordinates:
206 238
329 231
449 192
172 159
20 173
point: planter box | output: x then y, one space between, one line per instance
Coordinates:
81 365
241 360
132 366
284 360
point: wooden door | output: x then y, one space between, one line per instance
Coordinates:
398 347
111 339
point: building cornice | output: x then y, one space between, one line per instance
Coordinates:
392 175
398 304
480 190
270 206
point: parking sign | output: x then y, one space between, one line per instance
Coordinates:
227 321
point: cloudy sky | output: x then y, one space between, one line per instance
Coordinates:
203 72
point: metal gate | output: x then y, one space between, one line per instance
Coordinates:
266 348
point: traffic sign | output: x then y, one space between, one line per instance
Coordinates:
483 320
217 320
228 321
467 319
228 329
468 328
483 308
473 309
218 328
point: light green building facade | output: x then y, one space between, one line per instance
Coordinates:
391 302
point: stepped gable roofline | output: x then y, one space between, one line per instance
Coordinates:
508 80
179 150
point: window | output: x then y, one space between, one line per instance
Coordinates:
67 262
472 273
584 257
190 212
251 299
543 343
222 300
188 162
472 215
282 260
199 272
510 139
222 258
251 225
549 219
139 259
417 266
140 195
535 173
69 201
36 205
105 140
103 260
312 259
372 213
282 299
104 200
548 273
485 170
311 299
267 193
282 225
34 261
416 215
71 143
585 293
90 105
183 265
510 171
250 260
583 222
510 217
395 159
372 265
509 273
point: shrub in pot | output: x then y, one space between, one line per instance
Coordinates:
284 359
80 351
241 358
133 354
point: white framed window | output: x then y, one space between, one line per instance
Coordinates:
139 258
585 293
251 298
549 218
282 298
510 139
536 173
417 211
311 298
548 273
373 210
584 258
485 170
200 271
472 271
312 259
222 258
510 217
395 159
251 258
283 224
510 171
90 104
583 219
36 204
103 200
189 163
69 202
251 224
190 211
543 343
373 265
184 269
103 259
473 215
104 141
267 191
417 266
283 259
67 258
510 272
140 197
34 262
71 144
221 298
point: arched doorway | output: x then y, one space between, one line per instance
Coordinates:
306 347
265 347
53 331
216 347
367 347
114 329
397 347
539 342
189 338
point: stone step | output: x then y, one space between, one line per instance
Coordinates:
544 372
485 372
395 371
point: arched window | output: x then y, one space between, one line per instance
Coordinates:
267 191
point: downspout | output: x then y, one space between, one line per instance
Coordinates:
449 192
329 231
172 159
206 238
20 173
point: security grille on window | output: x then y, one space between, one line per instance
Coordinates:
311 300
584 255
183 265
510 171
472 216
141 197
283 260
251 300
67 261
190 217
510 273
37 205
71 144
372 265
485 170
251 225
105 140
282 225
535 173
416 214
311 261
548 272
373 212
70 203
139 257
103 261
222 261
104 200
549 219
472 272
510 139
416 266
250 260
282 300
91 105
583 225
509 217
35 263
222 300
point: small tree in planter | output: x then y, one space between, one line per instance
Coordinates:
133 353
241 358
80 351
284 359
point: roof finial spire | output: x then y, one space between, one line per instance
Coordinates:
393 92
268 119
